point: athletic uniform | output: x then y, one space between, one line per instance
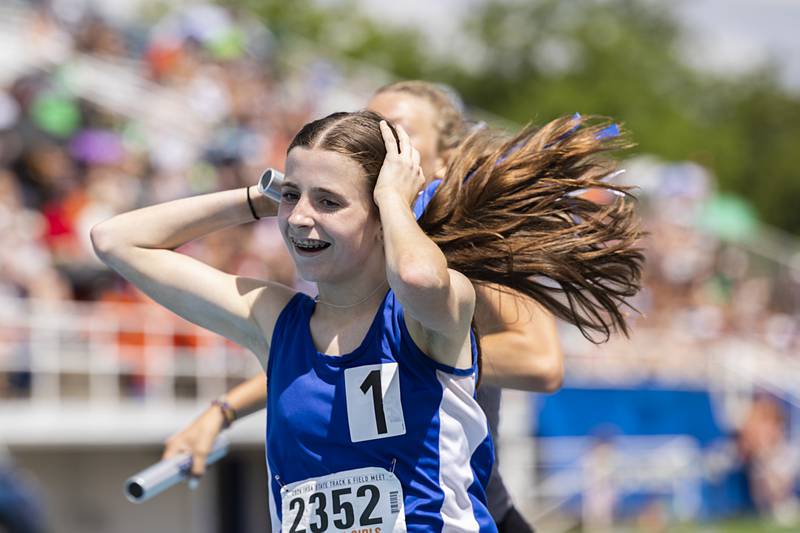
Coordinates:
499 500
378 440
496 494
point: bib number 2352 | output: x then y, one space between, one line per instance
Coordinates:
365 499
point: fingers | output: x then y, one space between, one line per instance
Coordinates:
199 463
402 163
405 146
415 157
402 137
198 450
172 448
388 138
177 447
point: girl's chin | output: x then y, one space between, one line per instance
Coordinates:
324 275
314 275
328 269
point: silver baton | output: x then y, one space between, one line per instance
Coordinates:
159 477
270 184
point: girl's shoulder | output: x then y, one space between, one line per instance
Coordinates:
298 306
412 347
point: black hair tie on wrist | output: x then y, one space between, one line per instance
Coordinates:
250 203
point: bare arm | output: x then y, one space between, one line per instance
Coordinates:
519 341
140 246
198 437
439 302
431 293
249 396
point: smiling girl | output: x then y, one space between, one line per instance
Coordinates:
372 418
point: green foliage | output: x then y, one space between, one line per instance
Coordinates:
339 29
620 58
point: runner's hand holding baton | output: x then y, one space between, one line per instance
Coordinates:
159 477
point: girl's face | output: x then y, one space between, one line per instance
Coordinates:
327 216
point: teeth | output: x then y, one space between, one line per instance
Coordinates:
309 243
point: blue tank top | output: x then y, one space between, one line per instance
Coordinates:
385 410
425 197
488 397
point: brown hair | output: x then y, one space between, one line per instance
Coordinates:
450 124
356 135
511 213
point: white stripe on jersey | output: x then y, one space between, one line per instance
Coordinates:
273 501
462 428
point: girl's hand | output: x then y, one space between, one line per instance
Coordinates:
196 439
400 174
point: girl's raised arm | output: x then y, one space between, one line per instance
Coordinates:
140 245
440 300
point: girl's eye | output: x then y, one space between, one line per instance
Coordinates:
289 196
329 204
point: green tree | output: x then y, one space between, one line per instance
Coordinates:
624 59
619 58
340 29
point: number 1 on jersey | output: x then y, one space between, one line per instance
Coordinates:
373 381
374 409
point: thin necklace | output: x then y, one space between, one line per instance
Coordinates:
370 295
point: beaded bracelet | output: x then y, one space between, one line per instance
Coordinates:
228 412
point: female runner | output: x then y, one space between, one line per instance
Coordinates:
372 420
518 337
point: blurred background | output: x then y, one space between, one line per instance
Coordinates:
693 424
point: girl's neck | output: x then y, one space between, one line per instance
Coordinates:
346 298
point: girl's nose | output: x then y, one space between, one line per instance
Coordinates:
301 214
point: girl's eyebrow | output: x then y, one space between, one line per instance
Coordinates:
323 190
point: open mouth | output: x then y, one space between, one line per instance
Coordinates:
309 246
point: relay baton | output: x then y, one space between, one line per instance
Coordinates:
159 477
270 184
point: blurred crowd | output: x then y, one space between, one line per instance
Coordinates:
98 117
709 274
716 283
198 102
203 110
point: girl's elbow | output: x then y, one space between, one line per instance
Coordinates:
552 378
551 370
545 370
102 240
105 241
417 276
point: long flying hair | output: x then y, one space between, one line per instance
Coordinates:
511 212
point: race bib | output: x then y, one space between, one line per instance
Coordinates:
364 500
374 409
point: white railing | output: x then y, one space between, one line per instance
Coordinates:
139 370
60 357
602 473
